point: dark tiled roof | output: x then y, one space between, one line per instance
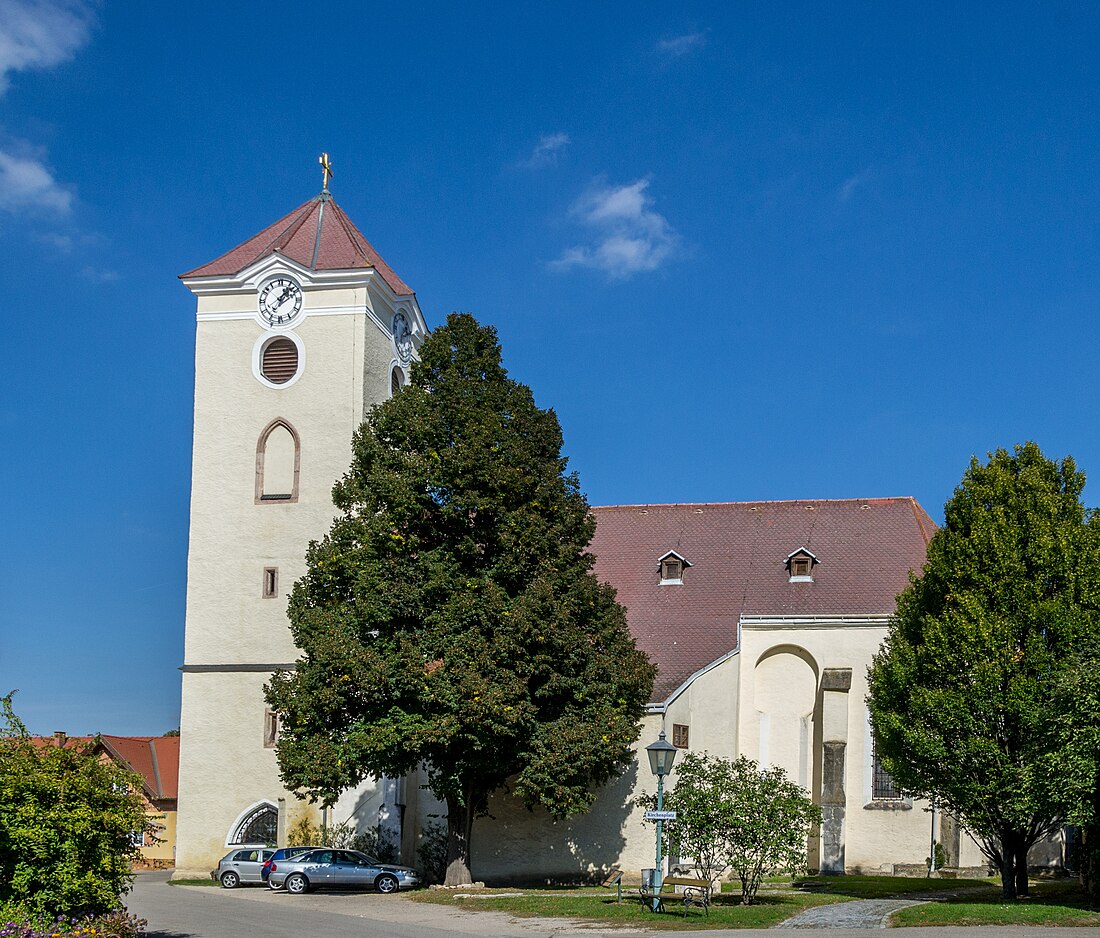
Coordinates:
317 235
865 549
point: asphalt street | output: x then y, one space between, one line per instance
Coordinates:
257 912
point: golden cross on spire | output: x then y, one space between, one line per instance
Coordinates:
326 171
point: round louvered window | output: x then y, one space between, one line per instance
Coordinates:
279 362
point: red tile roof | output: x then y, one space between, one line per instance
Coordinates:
155 758
865 548
317 235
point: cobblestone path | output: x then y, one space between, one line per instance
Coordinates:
860 913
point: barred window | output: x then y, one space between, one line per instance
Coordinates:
883 787
680 735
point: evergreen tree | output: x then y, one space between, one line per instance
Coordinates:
450 619
963 694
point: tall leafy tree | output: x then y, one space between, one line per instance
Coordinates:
962 693
450 618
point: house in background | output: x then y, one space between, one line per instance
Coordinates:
156 760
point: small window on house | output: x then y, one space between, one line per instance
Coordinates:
672 567
271 582
137 838
680 735
271 728
279 360
883 787
800 566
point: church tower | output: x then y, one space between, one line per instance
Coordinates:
300 331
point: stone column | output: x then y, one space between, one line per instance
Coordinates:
835 685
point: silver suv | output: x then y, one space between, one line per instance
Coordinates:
339 869
241 865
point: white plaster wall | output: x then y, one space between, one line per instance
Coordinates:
223 765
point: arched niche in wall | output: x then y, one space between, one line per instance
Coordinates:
785 696
278 460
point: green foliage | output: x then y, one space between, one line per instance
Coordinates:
372 841
66 817
734 815
431 852
964 694
450 618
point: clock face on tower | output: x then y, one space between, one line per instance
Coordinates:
280 301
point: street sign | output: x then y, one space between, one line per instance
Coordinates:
660 815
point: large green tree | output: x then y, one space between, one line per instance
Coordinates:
963 692
450 619
67 820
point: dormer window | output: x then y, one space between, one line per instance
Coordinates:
672 567
800 566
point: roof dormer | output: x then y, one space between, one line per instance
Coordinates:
671 569
800 565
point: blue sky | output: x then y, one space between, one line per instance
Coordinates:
746 251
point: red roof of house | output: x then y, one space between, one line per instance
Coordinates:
317 235
155 758
737 552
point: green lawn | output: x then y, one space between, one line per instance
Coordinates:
597 904
194 882
775 902
1050 903
888 887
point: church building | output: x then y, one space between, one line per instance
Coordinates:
761 617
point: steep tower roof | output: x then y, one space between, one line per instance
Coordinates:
317 235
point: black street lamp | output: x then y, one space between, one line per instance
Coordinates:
661 756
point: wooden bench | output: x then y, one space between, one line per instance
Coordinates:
695 892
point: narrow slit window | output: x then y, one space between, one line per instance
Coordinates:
271 728
271 582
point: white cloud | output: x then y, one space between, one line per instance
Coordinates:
628 236
26 183
99 275
40 34
848 188
677 46
546 151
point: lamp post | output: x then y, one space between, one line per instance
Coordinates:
661 756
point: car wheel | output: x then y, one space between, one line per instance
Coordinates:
386 883
296 884
230 880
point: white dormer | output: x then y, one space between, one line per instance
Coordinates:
671 569
800 565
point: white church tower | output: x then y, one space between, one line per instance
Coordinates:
300 330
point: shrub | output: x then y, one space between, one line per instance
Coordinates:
66 825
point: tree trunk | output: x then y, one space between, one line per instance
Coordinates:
1021 870
460 821
1008 866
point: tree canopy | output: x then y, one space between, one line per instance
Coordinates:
962 693
450 618
67 820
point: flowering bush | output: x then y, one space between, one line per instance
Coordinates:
15 924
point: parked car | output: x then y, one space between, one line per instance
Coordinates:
241 865
283 853
339 869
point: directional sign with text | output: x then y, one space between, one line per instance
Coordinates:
660 815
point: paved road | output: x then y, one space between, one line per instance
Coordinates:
210 912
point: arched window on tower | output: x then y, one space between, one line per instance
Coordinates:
397 381
278 456
258 825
